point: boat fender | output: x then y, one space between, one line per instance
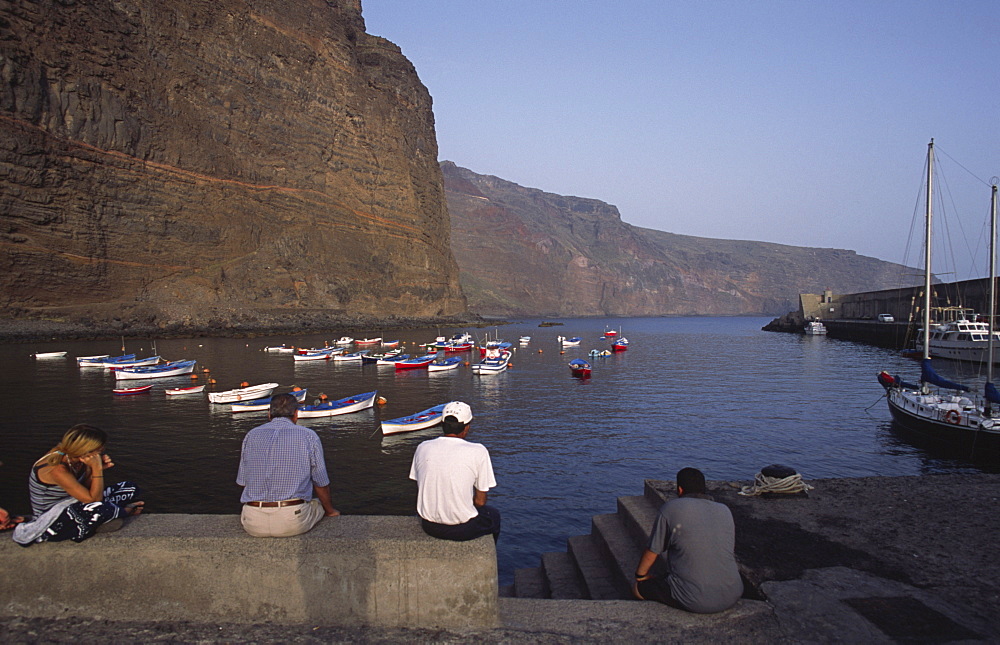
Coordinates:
194 377
953 416
381 400
244 384
986 424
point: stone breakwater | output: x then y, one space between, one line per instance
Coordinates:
877 560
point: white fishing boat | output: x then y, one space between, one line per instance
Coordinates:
180 391
280 349
246 393
264 403
50 354
814 328
492 365
82 360
420 421
445 364
317 355
345 340
936 406
353 357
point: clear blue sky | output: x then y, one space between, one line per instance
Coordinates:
799 122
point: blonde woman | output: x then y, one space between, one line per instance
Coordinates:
69 497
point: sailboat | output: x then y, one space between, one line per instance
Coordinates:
937 406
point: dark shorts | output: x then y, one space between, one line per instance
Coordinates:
486 523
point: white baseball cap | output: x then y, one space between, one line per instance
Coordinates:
461 411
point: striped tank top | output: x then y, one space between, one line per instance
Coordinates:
44 496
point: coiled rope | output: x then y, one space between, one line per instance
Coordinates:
764 484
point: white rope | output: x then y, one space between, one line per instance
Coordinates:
765 484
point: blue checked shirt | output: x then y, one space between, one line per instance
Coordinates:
281 460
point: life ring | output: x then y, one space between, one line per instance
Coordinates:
953 416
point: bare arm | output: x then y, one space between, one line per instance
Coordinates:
642 571
323 495
479 497
91 489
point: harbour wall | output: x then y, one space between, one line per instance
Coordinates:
350 570
855 316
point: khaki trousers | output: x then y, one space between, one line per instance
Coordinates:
284 521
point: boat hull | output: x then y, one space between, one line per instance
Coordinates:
341 406
960 428
445 365
243 394
419 421
177 391
126 391
159 371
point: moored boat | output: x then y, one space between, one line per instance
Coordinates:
116 364
178 391
492 365
86 360
125 391
524 340
353 357
172 368
246 393
421 420
416 363
445 364
579 367
368 342
814 328
103 361
280 349
50 354
392 360
390 344
377 356
572 341
317 355
346 405
344 341
620 345
262 404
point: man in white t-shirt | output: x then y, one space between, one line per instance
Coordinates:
453 476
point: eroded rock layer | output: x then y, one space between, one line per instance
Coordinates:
173 162
523 251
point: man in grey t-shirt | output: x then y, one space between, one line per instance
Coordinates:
698 535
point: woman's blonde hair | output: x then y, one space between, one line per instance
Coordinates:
78 441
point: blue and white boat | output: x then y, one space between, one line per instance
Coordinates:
173 368
492 365
346 405
570 342
445 364
419 421
258 405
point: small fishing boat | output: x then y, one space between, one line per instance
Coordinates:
392 360
172 368
86 360
177 391
50 354
444 364
353 357
389 344
115 364
492 365
346 405
262 404
246 393
318 354
569 342
416 363
579 367
368 342
344 341
524 340
103 361
419 421
280 349
493 348
620 345
600 353
610 333
815 328
451 348
125 391
376 357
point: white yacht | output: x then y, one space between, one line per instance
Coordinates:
962 336
815 328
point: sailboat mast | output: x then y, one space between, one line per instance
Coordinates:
993 285
927 251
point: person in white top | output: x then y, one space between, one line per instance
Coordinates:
453 476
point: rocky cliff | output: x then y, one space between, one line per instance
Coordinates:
522 251
184 163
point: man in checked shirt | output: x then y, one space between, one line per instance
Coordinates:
286 490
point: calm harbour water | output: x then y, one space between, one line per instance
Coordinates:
716 393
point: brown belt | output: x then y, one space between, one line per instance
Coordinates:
287 502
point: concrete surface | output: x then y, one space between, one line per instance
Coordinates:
348 570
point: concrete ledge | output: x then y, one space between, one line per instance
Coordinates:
349 570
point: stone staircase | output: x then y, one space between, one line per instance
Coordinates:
599 566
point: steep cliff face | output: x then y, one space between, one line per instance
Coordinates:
184 161
526 252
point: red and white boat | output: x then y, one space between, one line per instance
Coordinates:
368 342
125 391
420 362
620 345
194 389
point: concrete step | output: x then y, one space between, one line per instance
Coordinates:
565 581
592 562
530 583
657 495
506 591
638 514
620 550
